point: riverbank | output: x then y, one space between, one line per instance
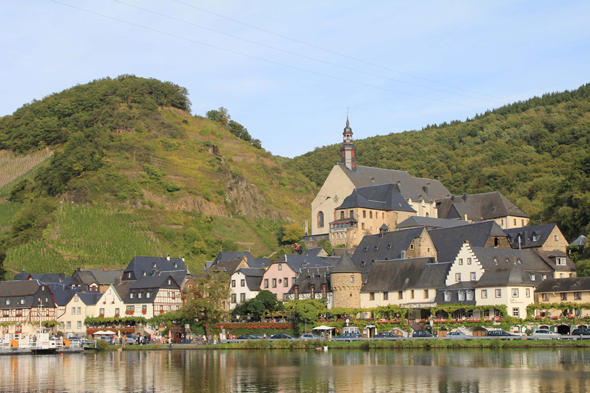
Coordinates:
368 344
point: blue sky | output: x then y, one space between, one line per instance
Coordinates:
405 64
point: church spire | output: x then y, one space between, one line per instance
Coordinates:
348 150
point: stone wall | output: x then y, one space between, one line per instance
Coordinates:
347 293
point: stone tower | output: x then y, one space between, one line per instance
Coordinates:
347 150
346 283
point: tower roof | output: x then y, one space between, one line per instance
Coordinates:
347 129
345 265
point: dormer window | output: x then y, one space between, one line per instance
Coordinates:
8 302
469 295
169 282
175 265
154 265
131 295
148 295
129 275
363 263
139 295
22 301
535 237
366 249
560 261
447 296
389 246
376 248
532 277
461 296
144 274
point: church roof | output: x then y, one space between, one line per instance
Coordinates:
410 187
478 207
381 197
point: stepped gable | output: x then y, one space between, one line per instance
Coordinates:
429 222
478 207
495 258
382 197
253 277
448 241
386 246
144 266
530 237
345 265
550 258
413 188
575 284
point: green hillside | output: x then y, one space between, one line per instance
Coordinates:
535 152
119 167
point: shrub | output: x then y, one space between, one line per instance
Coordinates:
101 345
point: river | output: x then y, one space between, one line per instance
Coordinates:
469 370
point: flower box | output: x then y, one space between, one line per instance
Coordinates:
101 316
116 315
144 312
129 312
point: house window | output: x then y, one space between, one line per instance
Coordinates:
561 261
560 275
457 277
280 267
544 276
498 293
532 275
76 298
139 295
79 310
372 296
148 295
266 282
447 296
515 222
461 296
242 283
412 294
144 309
352 214
351 278
528 292
564 296
364 214
426 294
383 215
577 295
469 261
400 295
363 225
472 276
412 246
545 297
320 219
101 311
274 282
233 298
514 292
73 310
555 237
469 295
516 312
242 297
131 295
79 325
116 311
341 214
484 293
130 309
286 282
69 325
460 261
233 283
385 295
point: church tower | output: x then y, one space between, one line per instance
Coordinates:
347 150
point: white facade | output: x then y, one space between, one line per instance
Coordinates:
239 291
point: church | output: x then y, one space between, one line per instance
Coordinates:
357 200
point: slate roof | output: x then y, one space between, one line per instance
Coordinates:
345 265
122 288
453 290
140 265
298 262
549 258
252 262
62 294
508 275
253 277
495 258
383 247
312 276
575 284
337 252
382 197
527 234
90 298
478 207
227 265
316 251
403 274
47 278
149 284
30 291
429 222
331 260
85 277
107 277
448 241
410 187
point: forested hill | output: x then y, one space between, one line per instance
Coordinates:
123 168
535 152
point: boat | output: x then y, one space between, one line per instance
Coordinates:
37 344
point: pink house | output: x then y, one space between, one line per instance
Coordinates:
279 277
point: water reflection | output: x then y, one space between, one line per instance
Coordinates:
532 370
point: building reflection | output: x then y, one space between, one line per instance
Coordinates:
507 370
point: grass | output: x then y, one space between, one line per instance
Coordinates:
7 211
14 168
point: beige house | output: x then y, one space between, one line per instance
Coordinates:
420 194
546 237
82 305
564 290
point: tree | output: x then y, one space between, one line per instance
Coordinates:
221 116
205 297
291 233
307 310
264 303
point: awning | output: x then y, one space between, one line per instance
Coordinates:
103 333
323 328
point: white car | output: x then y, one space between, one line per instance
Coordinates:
308 336
545 334
456 336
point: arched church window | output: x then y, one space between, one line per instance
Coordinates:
320 219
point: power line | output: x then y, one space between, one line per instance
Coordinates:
259 58
300 55
333 52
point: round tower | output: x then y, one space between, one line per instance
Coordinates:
346 283
347 150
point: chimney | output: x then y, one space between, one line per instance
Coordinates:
168 257
426 187
464 197
403 256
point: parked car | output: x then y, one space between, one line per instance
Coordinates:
281 337
456 336
545 334
501 334
248 337
130 340
421 333
389 335
583 333
309 336
348 337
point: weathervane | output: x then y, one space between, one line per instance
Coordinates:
347 112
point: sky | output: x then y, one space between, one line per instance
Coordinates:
291 71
